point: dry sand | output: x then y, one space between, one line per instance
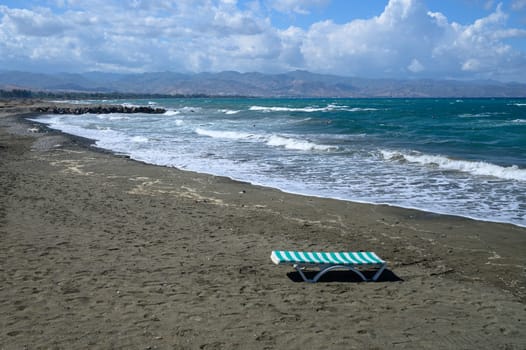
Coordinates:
99 251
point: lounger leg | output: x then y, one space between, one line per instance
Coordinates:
299 268
348 268
377 274
327 268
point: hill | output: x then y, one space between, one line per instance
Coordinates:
229 83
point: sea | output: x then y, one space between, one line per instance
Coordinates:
464 157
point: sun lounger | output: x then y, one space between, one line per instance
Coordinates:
354 261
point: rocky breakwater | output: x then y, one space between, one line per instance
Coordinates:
98 109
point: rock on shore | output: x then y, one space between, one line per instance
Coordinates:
98 109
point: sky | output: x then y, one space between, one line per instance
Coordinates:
438 39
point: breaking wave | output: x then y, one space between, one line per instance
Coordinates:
290 143
476 168
288 109
231 135
170 113
229 111
328 108
296 144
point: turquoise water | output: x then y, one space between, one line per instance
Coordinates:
464 157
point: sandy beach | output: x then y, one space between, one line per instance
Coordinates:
102 252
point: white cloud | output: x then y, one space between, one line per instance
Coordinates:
415 66
489 4
300 7
32 23
518 5
382 46
471 64
406 39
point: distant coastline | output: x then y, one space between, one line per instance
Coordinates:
296 84
72 95
65 96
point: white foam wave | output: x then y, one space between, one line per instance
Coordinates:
358 109
520 104
104 129
189 109
118 117
229 111
333 105
112 116
139 139
97 133
329 107
476 168
480 115
289 109
295 144
271 140
74 102
170 113
231 135
519 121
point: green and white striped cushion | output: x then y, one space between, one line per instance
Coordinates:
335 258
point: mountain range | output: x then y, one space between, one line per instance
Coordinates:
230 83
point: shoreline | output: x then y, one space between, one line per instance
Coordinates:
99 250
91 143
74 109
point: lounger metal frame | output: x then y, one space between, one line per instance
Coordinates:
326 267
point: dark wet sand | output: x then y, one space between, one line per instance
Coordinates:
99 251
